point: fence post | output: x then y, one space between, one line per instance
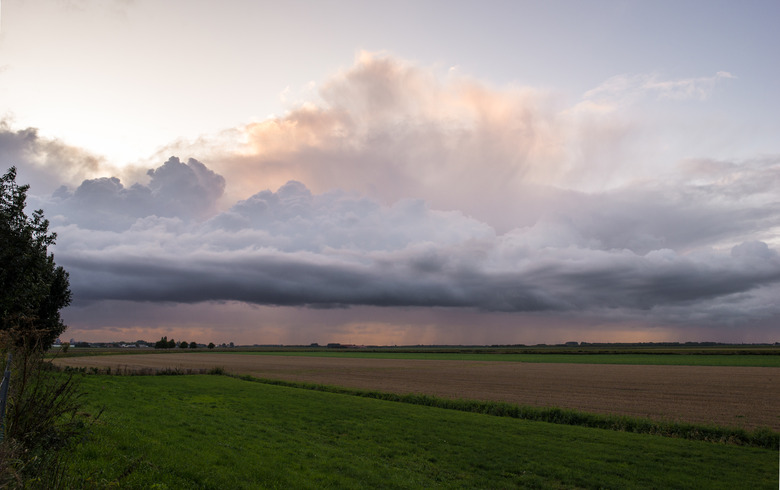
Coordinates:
4 395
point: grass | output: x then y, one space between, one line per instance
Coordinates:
732 360
222 432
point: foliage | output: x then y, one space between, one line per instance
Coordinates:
164 343
41 415
211 345
42 420
32 288
251 435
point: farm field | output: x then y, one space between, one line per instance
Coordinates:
745 397
222 432
736 355
666 359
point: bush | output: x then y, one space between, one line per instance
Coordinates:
43 418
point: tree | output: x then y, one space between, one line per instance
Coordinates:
211 345
44 411
171 344
162 343
33 289
193 345
184 345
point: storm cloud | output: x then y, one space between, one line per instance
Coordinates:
398 189
292 247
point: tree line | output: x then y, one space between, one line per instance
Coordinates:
164 343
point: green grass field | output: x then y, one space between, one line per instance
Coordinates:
222 432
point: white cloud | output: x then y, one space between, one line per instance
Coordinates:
624 89
392 129
45 163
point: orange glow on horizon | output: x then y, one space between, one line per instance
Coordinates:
385 333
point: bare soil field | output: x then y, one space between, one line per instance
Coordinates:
747 397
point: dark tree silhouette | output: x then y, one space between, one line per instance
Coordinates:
43 411
33 289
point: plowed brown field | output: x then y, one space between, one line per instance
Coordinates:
746 397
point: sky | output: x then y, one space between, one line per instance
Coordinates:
402 173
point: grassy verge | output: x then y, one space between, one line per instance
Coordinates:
221 432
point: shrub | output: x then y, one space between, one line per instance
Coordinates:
43 418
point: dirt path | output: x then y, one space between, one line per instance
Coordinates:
746 397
